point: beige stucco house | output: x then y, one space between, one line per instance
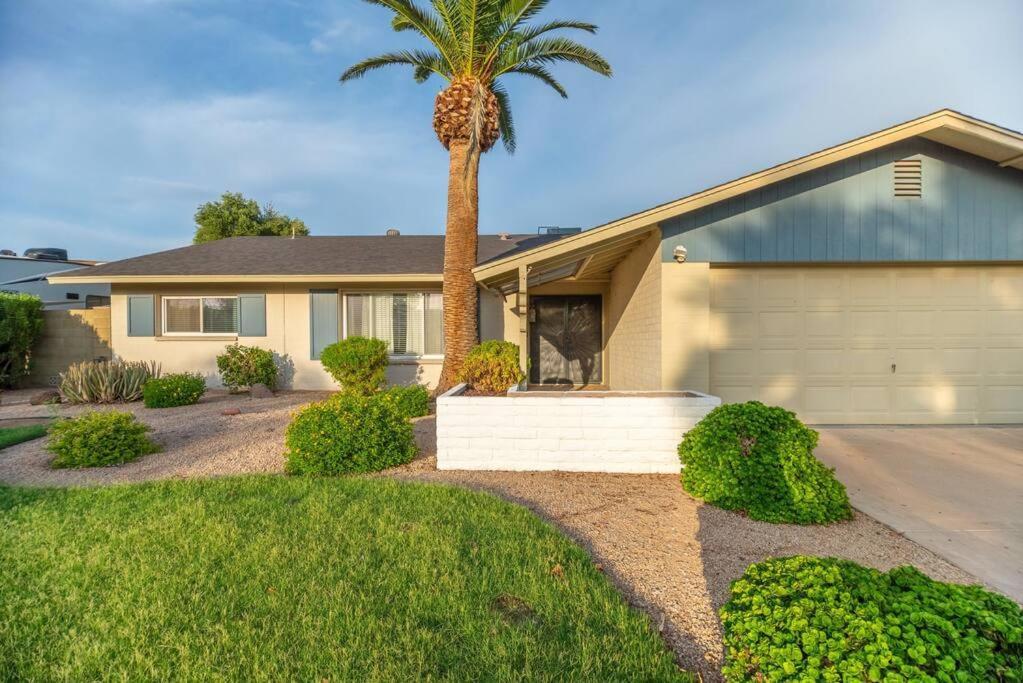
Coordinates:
877 281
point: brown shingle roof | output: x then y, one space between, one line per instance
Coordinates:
327 255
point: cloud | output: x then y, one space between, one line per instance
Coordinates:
336 33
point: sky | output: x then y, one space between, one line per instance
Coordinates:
118 118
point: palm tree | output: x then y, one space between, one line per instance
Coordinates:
473 43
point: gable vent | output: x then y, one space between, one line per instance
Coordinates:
908 178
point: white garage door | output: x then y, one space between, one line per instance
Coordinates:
860 345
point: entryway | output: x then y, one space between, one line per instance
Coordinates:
565 339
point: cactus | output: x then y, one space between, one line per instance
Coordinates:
106 382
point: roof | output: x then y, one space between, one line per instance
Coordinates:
1002 146
391 258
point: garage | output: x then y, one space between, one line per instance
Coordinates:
871 344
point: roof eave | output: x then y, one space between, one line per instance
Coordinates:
398 278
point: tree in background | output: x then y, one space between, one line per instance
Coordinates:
21 323
236 216
472 46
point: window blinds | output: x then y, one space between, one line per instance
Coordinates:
410 322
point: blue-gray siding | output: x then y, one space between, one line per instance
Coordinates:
971 210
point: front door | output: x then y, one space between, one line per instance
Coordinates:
565 339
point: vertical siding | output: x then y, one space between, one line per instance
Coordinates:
971 210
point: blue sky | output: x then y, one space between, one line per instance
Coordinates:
119 117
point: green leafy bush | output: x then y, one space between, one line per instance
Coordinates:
411 400
348 433
21 323
759 459
170 391
807 618
358 364
242 366
97 439
107 381
492 367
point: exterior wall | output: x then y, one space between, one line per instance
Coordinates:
970 210
566 431
686 326
69 336
634 319
55 297
287 334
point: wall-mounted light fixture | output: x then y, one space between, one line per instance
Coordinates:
680 254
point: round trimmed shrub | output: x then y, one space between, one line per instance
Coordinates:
492 367
411 400
170 391
358 364
348 433
242 366
98 439
808 618
759 459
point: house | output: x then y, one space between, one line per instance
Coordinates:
28 274
876 281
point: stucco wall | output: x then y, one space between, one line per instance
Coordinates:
287 334
634 319
685 320
69 336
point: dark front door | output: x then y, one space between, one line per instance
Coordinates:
564 340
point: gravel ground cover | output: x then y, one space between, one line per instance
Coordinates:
668 553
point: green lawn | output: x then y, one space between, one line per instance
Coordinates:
12 435
270 578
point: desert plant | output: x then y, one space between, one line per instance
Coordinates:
169 391
106 381
825 619
759 459
21 323
473 47
492 367
410 400
358 364
242 366
348 433
98 439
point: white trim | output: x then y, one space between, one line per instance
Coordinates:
200 333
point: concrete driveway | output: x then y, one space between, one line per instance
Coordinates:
957 491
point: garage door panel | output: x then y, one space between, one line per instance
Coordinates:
822 342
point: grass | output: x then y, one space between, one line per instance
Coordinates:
14 435
270 578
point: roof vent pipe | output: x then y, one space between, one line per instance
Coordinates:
504 236
393 232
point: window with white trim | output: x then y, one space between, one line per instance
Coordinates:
412 323
194 315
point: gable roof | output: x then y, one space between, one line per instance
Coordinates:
954 129
334 258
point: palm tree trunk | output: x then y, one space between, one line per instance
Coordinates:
460 244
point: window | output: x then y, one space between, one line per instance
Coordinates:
412 323
189 315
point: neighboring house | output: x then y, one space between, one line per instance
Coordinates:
29 275
877 281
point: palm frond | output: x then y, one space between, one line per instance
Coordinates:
547 51
532 32
540 73
411 17
506 123
419 60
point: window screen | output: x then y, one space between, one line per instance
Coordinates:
410 322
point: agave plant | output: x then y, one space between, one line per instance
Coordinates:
106 382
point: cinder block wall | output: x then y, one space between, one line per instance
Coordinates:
634 319
69 336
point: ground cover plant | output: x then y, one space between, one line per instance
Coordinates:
288 578
759 459
492 367
358 364
107 381
21 323
348 433
10 436
98 439
808 618
170 391
242 366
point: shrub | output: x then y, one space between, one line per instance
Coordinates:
348 433
21 323
358 364
107 382
806 618
759 459
412 400
181 389
242 366
492 367
97 439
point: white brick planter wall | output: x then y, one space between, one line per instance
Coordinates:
569 431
